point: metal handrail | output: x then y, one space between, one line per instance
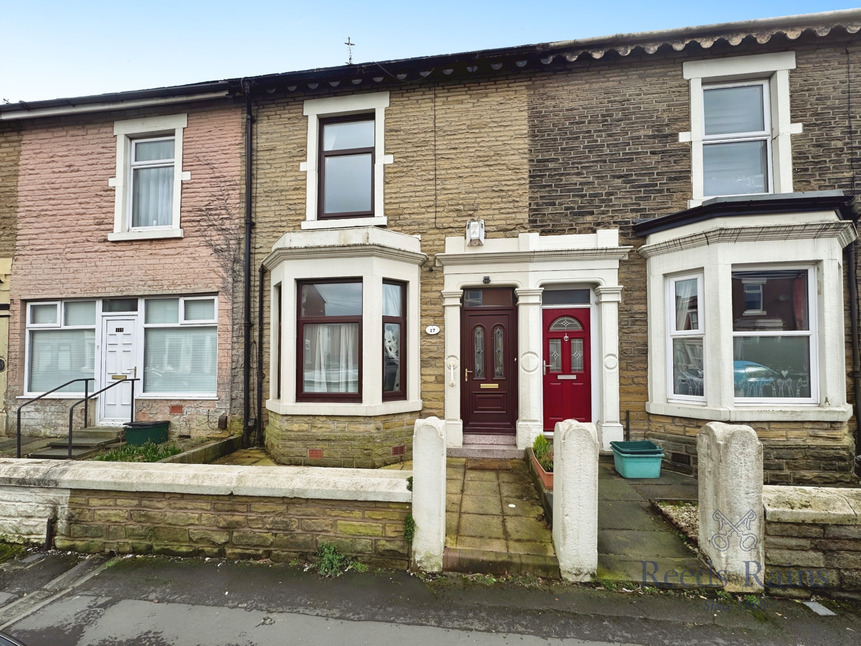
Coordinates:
90 396
86 381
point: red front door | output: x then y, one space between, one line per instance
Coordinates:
567 366
489 402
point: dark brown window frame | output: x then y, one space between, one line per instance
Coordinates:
323 155
402 321
301 321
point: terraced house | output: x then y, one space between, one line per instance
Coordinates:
646 231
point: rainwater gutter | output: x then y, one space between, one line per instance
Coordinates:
247 423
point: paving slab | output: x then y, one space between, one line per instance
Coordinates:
643 544
627 515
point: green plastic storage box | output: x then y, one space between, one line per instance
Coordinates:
637 459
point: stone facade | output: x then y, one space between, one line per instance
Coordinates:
333 441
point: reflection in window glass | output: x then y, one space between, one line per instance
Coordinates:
688 366
391 357
771 366
686 342
331 299
771 334
770 300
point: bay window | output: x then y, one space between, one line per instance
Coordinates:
343 305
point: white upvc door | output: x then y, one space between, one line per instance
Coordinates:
119 361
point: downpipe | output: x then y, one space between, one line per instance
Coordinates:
247 424
852 261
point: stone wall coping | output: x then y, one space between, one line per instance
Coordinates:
324 483
812 505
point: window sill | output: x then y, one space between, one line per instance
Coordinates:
753 413
346 409
344 223
177 397
155 234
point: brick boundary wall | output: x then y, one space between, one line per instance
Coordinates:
812 540
206 510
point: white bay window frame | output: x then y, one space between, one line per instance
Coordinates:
127 133
772 70
374 257
715 248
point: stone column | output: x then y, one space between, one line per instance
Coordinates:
451 301
429 494
575 499
529 374
609 419
730 504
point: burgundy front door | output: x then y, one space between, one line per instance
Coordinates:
567 366
489 402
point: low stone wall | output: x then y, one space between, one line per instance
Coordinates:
331 441
207 510
812 540
792 454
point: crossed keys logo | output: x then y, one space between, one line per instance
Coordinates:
726 528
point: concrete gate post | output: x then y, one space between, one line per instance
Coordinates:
429 493
730 504
575 499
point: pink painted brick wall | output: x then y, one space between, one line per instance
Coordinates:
66 211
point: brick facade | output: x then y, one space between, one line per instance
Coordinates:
62 186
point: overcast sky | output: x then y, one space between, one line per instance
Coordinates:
61 48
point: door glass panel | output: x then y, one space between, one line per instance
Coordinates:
498 353
576 355
479 352
555 355
565 323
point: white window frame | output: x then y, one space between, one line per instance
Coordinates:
127 132
58 325
673 334
372 256
763 135
810 333
773 71
317 109
182 323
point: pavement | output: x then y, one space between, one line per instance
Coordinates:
61 599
